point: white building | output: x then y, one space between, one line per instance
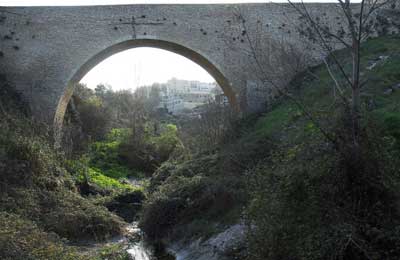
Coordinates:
187 86
177 94
171 102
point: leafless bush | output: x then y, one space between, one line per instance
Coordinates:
210 127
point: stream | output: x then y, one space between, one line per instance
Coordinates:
213 248
137 249
133 243
210 249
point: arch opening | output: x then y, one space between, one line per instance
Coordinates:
136 43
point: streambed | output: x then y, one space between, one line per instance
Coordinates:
138 249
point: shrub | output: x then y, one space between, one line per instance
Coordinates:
196 190
114 252
103 181
126 205
166 143
105 156
74 218
151 151
94 117
35 186
311 202
23 239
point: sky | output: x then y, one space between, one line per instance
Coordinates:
143 66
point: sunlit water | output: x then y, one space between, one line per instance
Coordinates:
139 250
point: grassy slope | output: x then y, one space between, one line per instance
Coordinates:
37 192
187 189
318 94
304 175
103 165
40 208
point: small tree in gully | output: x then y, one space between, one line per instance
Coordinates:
359 24
365 202
357 21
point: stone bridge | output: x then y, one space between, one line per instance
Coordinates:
45 51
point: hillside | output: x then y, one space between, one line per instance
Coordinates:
278 175
305 199
380 71
42 214
312 201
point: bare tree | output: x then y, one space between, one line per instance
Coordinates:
207 128
358 26
277 61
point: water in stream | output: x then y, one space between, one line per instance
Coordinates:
139 252
138 249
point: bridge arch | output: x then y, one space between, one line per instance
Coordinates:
192 55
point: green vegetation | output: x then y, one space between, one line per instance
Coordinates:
197 197
153 148
110 162
130 145
303 198
104 155
308 201
22 239
316 94
102 166
114 252
40 208
301 194
106 182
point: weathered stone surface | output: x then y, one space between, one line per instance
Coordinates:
44 51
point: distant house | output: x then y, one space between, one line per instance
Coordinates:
177 95
188 86
171 102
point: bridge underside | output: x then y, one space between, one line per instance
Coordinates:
134 43
44 51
